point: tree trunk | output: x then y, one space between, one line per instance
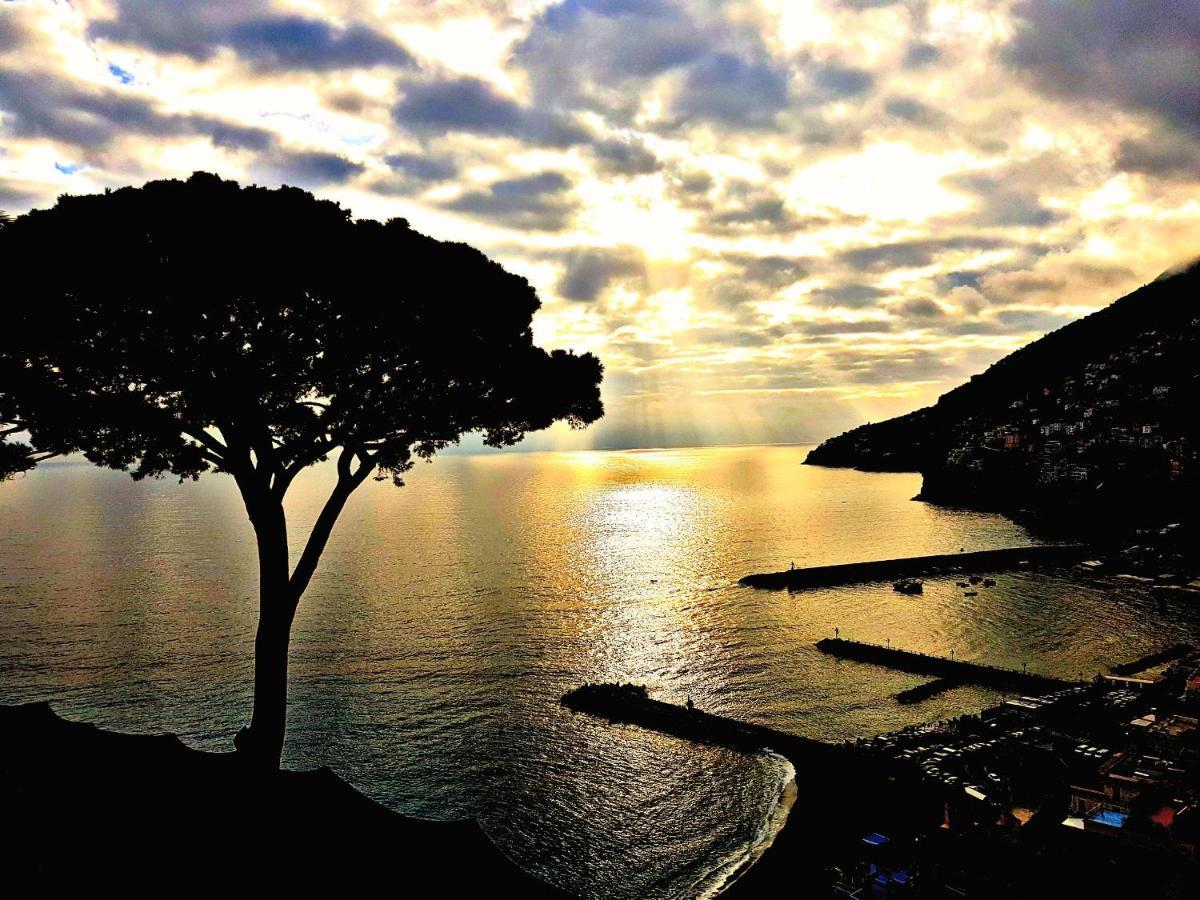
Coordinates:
279 592
262 742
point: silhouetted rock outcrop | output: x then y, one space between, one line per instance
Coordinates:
96 809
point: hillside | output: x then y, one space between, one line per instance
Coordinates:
1096 417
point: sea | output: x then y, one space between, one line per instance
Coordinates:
449 616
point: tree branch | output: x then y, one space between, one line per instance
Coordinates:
204 439
319 536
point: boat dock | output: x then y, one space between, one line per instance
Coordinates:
917 566
956 670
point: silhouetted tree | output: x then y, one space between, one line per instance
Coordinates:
189 327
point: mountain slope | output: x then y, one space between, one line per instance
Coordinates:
1099 412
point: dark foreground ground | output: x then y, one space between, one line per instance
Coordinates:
101 810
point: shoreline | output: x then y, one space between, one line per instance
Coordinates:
773 825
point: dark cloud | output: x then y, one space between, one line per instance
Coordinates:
764 213
736 336
860 366
540 202
1004 198
15 198
306 169
853 295
748 209
731 90
918 308
39 105
752 278
1165 155
1025 286
12 34
1138 56
422 167
472 105
833 81
293 42
588 52
915 112
912 254
198 29
624 157
831 327
690 189
772 271
604 55
954 280
920 54
590 270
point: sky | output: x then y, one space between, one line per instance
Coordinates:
772 219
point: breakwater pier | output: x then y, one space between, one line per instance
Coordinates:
1178 651
630 704
956 670
917 567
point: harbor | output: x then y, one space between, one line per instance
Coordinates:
1023 796
796 579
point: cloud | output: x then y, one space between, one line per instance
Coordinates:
914 253
728 89
590 270
827 327
609 55
746 279
915 112
918 308
198 29
1165 155
45 106
12 32
771 271
748 209
690 188
624 156
866 366
593 53
920 54
1031 320
472 105
1004 198
1136 56
422 167
16 198
852 295
541 202
833 81
413 173
306 168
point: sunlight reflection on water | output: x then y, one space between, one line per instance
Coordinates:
448 617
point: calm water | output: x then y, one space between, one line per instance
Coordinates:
448 617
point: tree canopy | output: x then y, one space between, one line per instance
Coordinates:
189 326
